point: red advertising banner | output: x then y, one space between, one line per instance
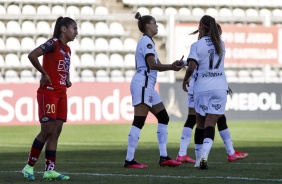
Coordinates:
88 103
245 44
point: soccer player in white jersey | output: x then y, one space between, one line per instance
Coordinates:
145 98
191 121
210 85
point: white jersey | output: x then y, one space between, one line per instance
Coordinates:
210 70
144 75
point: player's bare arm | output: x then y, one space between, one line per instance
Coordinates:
33 57
68 82
189 71
162 67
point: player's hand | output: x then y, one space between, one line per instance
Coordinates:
178 64
68 83
44 79
175 66
185 84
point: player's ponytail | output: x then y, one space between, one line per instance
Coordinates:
57 28
215 36
142 21
219 29
138 16
209 25
61 21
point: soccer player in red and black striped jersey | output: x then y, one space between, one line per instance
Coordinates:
51 96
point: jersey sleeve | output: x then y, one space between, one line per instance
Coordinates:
48 46
148 48
193 55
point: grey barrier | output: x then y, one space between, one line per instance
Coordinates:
251 101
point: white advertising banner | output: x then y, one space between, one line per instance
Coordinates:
244 44
88 103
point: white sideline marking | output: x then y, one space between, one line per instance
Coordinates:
237 163
164 176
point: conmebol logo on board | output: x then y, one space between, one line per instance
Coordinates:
252 102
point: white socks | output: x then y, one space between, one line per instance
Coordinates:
198 153
162 139
227 139
206 147
133 139
185 140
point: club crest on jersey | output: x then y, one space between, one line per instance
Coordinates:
216 106
149 46
49 42
150 99
203 107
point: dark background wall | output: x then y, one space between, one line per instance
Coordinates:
252 101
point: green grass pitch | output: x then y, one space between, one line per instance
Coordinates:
95 154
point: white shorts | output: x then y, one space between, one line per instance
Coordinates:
210 102
144 95
190 101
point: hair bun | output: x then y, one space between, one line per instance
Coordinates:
138 16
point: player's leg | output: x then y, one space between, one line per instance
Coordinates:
36 149
201 101
210 104
140 114
199 138
142 103
225 135
160 113
51 146
52 142
50 154
186 137
227 139
46 123
162 134
210 123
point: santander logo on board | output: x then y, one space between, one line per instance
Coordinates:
101 103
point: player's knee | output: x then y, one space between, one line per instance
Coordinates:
190 122
57 132
162 117
221 123
199 136
209 132
139 121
